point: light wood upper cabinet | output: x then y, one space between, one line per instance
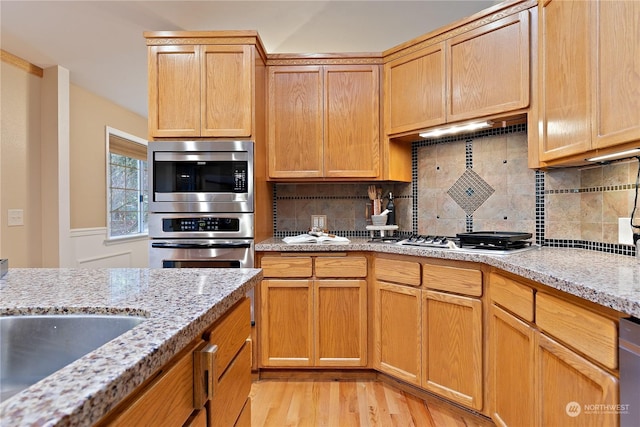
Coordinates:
295 142
226 104
565 67
200 90
415 90
616 116
174 91
324 121
480 70
488 69
589 78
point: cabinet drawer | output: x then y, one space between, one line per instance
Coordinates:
590 333
230 334
231 392
283 266
353 266
167 401
464 281
511 295
391 270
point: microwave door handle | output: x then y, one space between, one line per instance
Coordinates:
226 245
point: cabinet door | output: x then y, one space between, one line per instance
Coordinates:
617 87
565 67
295 122
351 121
415 88
227 92
286 336
174 91
340 322
511 369
569 386
397 343
489 69
452 347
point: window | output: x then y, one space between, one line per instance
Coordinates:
127 186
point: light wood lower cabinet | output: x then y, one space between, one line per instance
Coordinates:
569 385
512 363
551 369
315 321
452 347
340 316
232 371
397 329
286 323
184 392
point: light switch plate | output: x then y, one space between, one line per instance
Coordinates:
625 234
15 217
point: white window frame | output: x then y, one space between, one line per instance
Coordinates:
134 139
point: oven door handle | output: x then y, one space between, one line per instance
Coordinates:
193 245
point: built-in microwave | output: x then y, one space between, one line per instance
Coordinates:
201 176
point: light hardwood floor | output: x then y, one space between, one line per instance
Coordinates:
314 403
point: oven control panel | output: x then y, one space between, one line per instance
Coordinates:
200 224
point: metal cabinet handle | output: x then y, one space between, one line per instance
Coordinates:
203 374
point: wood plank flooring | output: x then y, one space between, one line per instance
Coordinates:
314 403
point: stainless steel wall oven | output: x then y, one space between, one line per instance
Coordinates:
201 205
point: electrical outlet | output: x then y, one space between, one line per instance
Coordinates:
625 234
319 222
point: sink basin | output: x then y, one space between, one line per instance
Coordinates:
33 347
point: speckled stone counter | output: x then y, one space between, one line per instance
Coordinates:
179 305
609 280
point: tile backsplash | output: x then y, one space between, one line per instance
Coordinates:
477 182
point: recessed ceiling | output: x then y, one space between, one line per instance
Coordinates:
101 42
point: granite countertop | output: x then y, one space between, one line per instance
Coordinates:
179 305
606 279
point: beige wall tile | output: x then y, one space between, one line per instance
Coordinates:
591 207
591 177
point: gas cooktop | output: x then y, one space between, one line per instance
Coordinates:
493 242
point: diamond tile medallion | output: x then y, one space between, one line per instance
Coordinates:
470 191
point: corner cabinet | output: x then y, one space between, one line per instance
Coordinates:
201 84
428 326
324 121
480 69
589 79
488 69
321 303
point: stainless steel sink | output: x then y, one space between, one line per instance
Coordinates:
33 347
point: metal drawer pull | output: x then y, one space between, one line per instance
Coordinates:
203 374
